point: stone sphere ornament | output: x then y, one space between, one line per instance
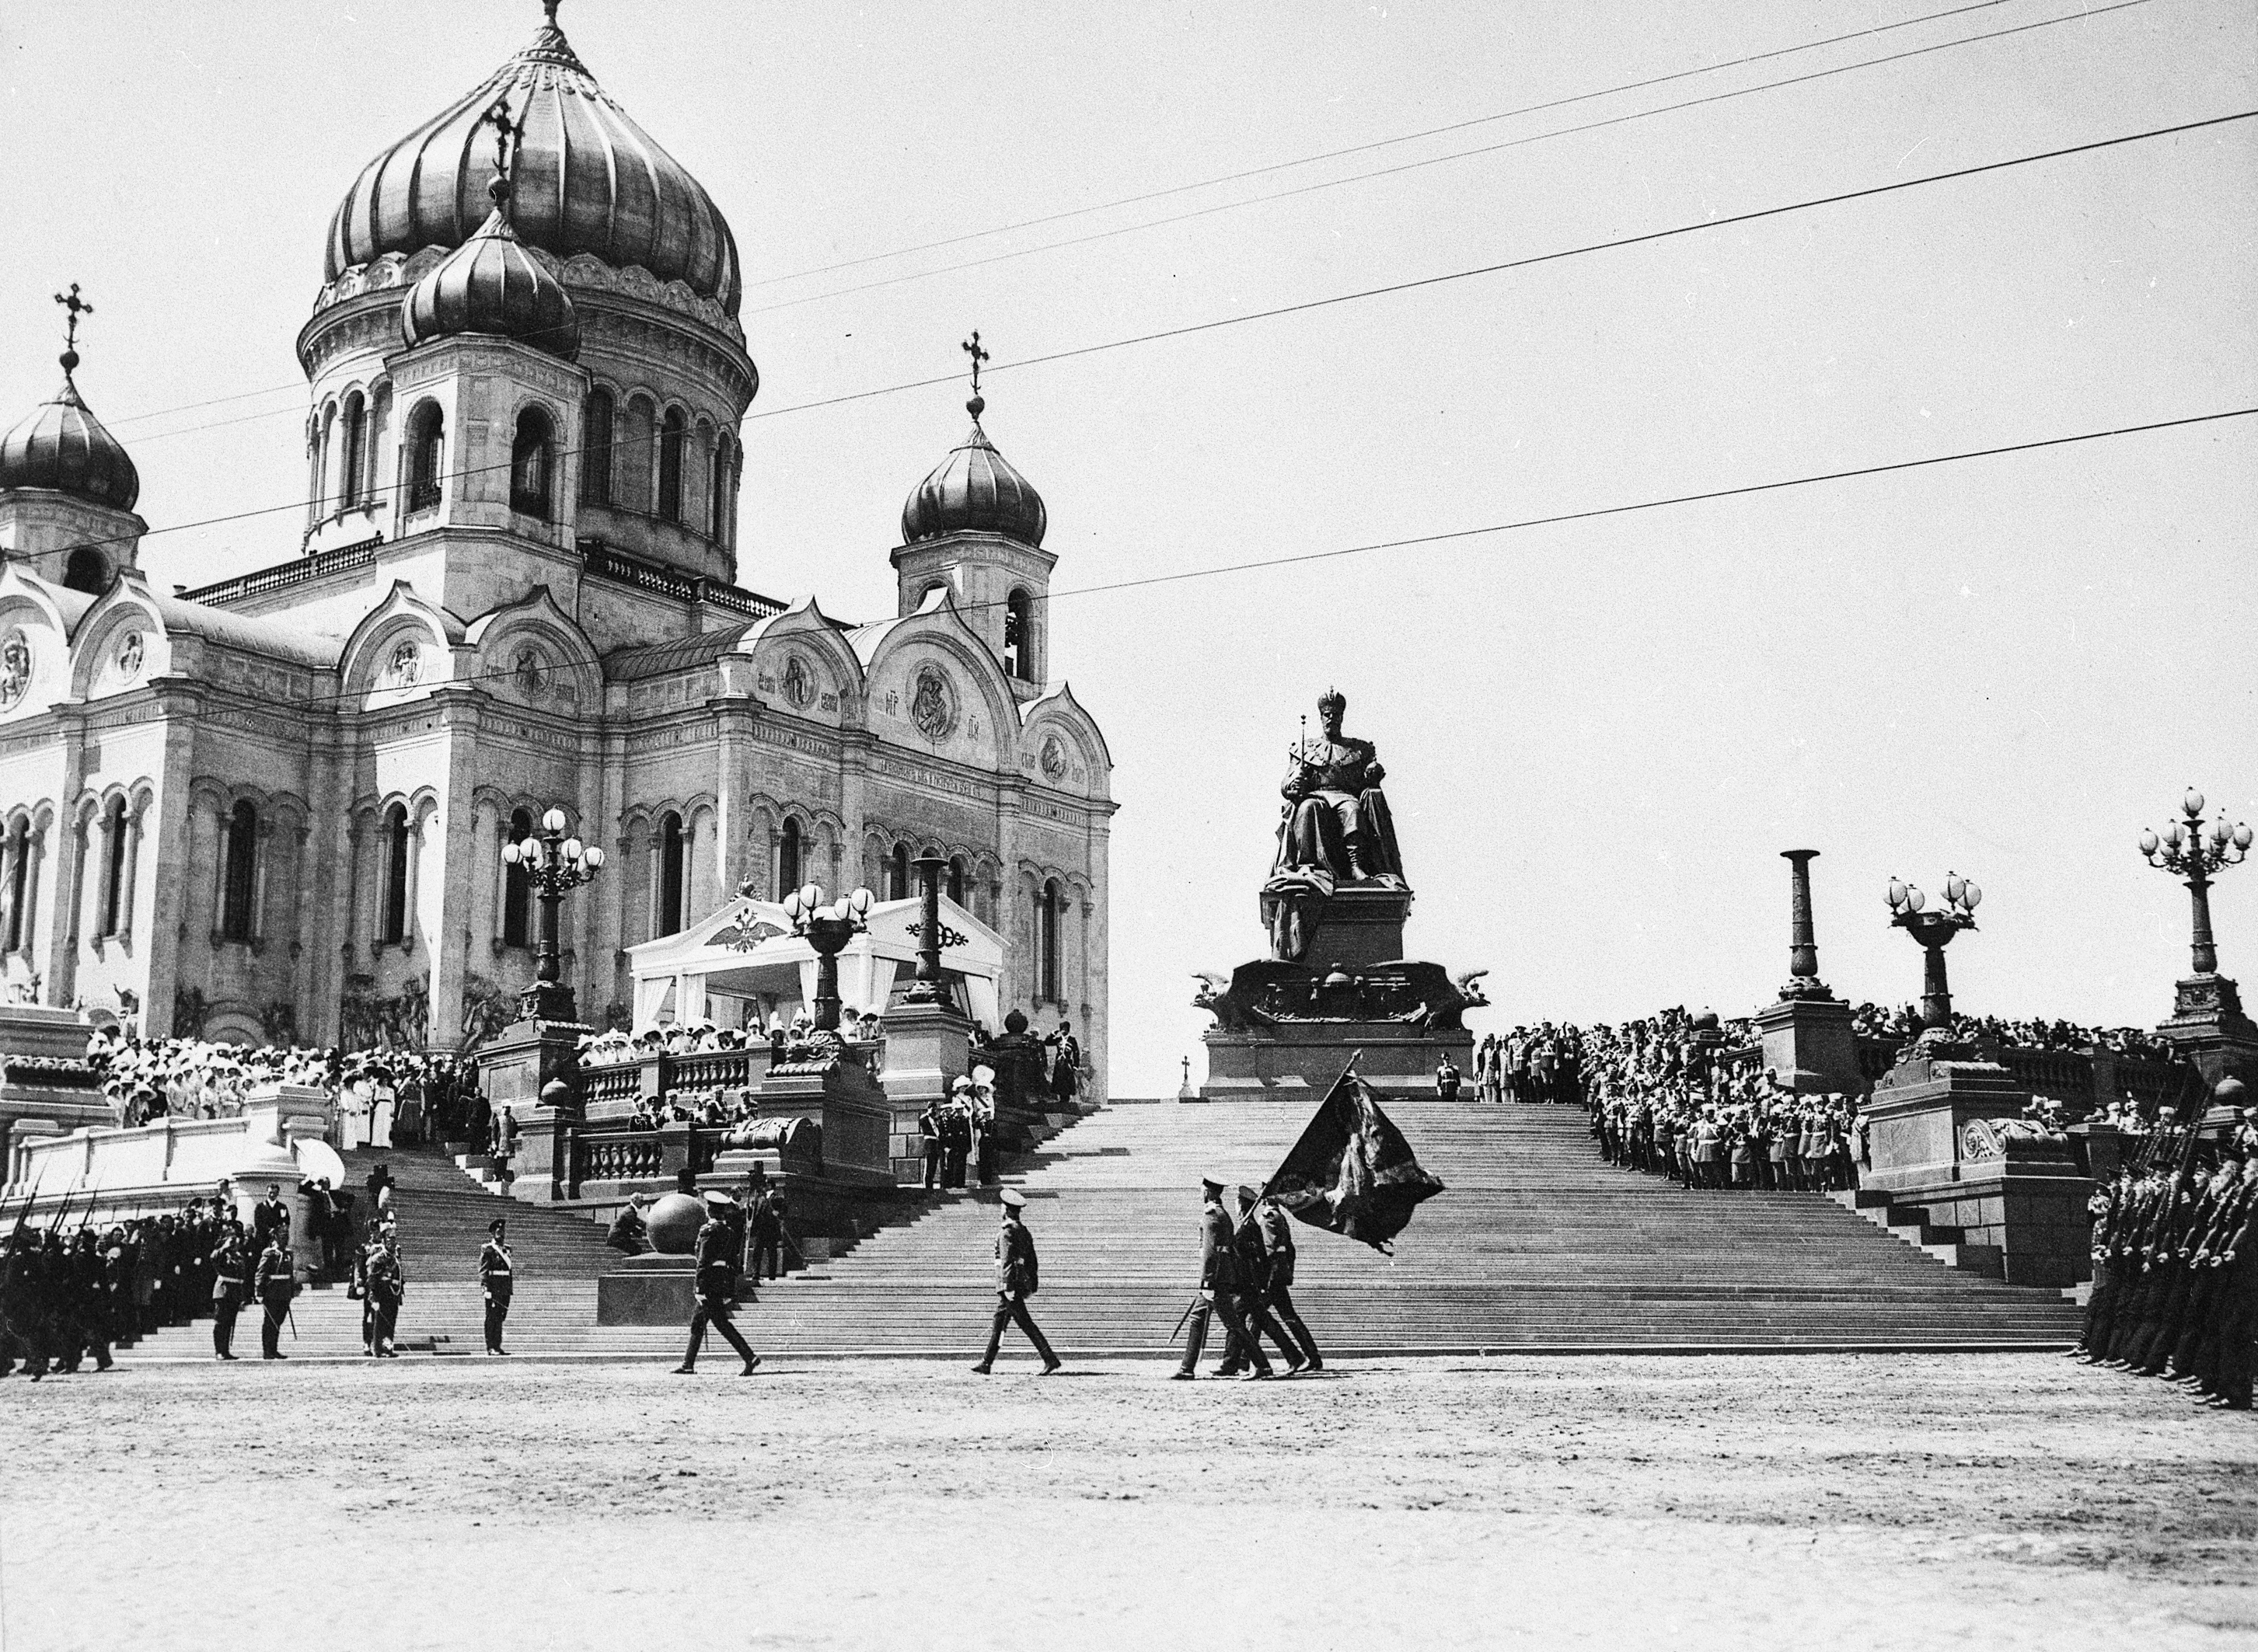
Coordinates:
674 1221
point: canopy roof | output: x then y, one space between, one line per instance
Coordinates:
747 949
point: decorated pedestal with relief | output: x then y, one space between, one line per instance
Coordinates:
2208 1026
1947 1135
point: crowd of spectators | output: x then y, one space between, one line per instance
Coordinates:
1903 1022
384 1096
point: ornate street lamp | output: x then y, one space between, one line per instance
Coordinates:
2183 852
553 863
1935 931
828 929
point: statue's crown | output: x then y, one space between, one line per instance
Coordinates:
1332 700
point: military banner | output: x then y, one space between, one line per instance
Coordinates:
1353 1173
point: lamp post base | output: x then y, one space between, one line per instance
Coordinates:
2208 1026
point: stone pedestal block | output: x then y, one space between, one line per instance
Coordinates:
840 1095
1308 1057
1361 926
2208 1026
927 1045
654 1289
1809 1044
525 1056
1946 1136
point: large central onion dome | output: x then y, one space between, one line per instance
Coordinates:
61 446
588 179
976 490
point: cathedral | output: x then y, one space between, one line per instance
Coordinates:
273 808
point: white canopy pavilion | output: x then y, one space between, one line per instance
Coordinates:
744 959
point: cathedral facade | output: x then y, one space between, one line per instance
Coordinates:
274 808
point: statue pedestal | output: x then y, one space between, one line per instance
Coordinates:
1943 1137
1306 1057
1809 1043
650 1289
1361 925
2209 1028
927 1045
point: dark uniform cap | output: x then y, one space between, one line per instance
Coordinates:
1246 1195
1209 1184
494 1226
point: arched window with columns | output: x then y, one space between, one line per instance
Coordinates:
393 923
353 462
242 873
116 919
15 922
789 856
1049 922
1019 636
427 433
898 887
532 464
596 446
671 430
517 887
673 864
956 880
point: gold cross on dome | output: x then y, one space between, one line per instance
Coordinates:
79 307
971 347
505 133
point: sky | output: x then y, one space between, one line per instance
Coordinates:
1599 735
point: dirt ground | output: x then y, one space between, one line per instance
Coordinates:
1984 1500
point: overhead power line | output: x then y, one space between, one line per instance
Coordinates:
1437 160
1367 148
298 385
1525 523
1645 237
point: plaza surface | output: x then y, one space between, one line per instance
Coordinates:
1993 1500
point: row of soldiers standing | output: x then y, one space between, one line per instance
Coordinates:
2175 1279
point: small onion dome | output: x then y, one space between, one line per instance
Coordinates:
588 180
976 489
61 446
492 285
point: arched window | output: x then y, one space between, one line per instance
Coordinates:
898 874
427 431
532 456
394 927
788 857
116 921
725 474
596 448
956 879
1019 636
356 453
1047 940
86 568
669 465
672 859
17 847
242 869
517 887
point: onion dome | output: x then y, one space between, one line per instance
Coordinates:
588 179
975 489
492 285
60 445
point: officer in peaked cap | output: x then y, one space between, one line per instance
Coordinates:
1015 1281
1219 1284
497 1282
720 1243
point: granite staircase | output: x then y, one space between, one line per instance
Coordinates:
1537 1246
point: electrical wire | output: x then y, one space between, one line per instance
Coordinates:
297 387
1519 524
1437 160
1366 148
1418 284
